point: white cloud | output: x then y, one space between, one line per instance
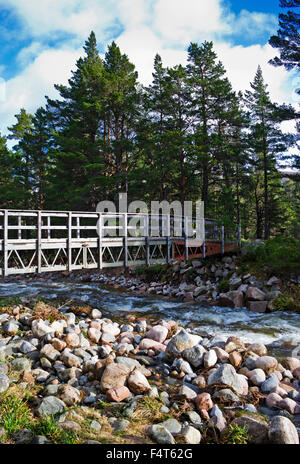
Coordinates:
149 27
178 21
142 52
241 64
28 89
251 24
28 54
79 17
134 13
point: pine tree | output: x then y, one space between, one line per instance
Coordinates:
163 133
151 134
121 107
36 146
287 40
266 142
22 165
211 95
76 118
9 197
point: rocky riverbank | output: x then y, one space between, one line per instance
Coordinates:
83 378
221 283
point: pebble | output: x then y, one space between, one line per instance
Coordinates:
161 435
51 406
191 435
268 385
4 383
204 401
282 432
113 365
173 426
210 359
194 418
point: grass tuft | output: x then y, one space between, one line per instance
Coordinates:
235 435
53 432
14 413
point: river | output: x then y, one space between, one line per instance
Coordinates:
211 320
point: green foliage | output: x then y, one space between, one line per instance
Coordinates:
103 404
14 413
151 272
287 40
186 136
10 301
51 430
235 435
224 285
280 254
285 302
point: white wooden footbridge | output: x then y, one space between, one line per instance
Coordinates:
43 241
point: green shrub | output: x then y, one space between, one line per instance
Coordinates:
286 303
151 272
224 286
280 254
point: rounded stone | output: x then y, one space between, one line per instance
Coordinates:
161 435
267 363
204 401
50 406
257 376
283 432
268 385
21 364
4 383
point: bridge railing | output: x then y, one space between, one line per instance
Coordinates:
24 225
36 241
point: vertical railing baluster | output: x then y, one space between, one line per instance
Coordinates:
204 240
78 225
186 242
5 238
69 241
19 229
39 242
168 255
49 225
147 240
99 230
125 239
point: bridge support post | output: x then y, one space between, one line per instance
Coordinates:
186 239
19 230
186 247
223 239
147 240
168 255
70 242
204 241
125 241
5 237
84 256
99 229
39 242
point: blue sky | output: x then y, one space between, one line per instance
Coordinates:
42 39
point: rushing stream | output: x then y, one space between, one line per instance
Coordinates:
252 327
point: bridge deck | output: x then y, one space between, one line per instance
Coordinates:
43 241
